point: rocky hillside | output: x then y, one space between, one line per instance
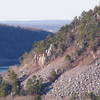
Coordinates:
80 80
69 62
72 41
83 33
14 41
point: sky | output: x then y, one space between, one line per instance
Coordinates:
44 9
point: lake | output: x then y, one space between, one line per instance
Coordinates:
5 63
3 68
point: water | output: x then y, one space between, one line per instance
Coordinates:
5 63
3 68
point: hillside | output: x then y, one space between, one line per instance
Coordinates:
14 41
66 65
79 37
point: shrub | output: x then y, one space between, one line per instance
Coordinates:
37 97
53 76
39 47
34 86
23 92
21 58
93 96
98 97
94 45
74 96
78 52
68 58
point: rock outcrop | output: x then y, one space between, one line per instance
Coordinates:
42 59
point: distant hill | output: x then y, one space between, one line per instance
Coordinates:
14 41
48 25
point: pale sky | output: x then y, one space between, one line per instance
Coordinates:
44 9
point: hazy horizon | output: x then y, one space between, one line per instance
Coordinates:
36 20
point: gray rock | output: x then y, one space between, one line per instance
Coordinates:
86 81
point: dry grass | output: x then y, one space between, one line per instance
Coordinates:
17 98
28 98
32 98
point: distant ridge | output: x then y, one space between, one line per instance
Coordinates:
48 25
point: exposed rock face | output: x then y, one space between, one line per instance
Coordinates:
87 80
42 59
49 51
39 59
98 17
